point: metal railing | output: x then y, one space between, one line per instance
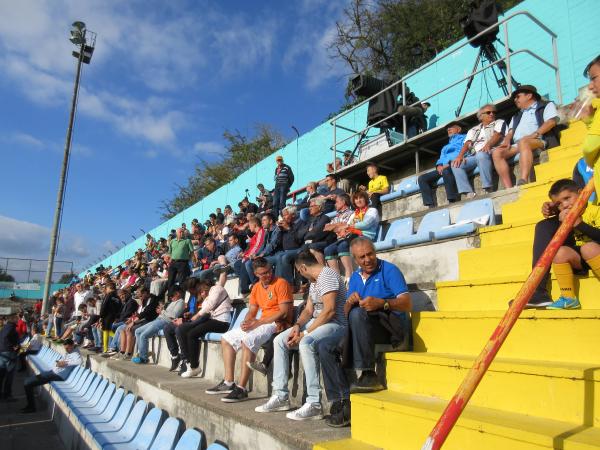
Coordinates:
508 53
26 270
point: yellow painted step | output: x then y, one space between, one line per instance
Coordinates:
523 209
392 420
507 233
559 391
495 261
565 336
573 151
573 135
556 170
491 294
344 444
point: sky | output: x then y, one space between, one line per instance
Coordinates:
166 80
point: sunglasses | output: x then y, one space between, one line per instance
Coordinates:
489 113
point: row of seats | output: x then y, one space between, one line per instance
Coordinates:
115 420
436 225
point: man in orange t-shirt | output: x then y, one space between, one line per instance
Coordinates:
274 297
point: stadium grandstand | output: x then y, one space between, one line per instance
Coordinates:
343 308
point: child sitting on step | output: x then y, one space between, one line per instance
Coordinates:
580 252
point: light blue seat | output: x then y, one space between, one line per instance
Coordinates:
117 421
379 234
431 222
168 435
472 214
191 440
331 214
89 392
145 435
406 187
92 397
84 380
216 446
106 414
398 230
100 405
127 431
235 324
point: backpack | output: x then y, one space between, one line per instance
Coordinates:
552 137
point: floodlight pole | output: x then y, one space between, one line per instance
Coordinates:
61 182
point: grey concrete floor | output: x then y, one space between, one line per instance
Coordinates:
26 431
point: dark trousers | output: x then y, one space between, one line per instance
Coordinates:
23 359
8 365
179 270
376 202
334 378
366 332
279 196
190 333
169 332
428 181
240 270
38 380
544 231
58 324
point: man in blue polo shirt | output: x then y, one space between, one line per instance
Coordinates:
376 287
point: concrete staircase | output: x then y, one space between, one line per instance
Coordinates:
543 389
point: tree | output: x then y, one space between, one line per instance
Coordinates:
242 153
5 276
66 278
391 38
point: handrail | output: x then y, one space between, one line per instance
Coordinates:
505 59
453 410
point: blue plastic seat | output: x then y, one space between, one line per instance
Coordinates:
216 446
117 421
431 223
99 406
106 414
87 395
472 214
331 214
83 382
92 397
128 429
235 324
145 435
191 440
168 434
406 187
399 229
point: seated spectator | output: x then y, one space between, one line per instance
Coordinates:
378 186
578 256
348 158
273 296
147 311
302 205
271 246
317 333
364 222
130 306
213 316
533 128
33 347
477 151
340 248
316 237
443 169
292 238
333 191
264 199
247 207
74 324
233 253
210 256
158 285
377 290
257 242
63 367
174 310
220 215
416 120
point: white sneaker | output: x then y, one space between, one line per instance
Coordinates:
308 411
274 404
471 195
191 373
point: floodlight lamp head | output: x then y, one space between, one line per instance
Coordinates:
77 33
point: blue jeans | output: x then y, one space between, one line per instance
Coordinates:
115 340
97 333
338 248
145 332
239 268
284 264
279 196
461 174
321 340
49 325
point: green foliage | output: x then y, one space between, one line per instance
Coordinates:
391 38
4 276
241 154
66 278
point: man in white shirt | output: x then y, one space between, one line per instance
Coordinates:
81 295
477 151
59 372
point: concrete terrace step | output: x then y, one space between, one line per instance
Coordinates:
495 261
393 420
559 391
508 233
493 293
560 336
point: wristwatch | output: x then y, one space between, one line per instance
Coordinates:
386 305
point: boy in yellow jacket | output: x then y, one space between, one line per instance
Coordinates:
591 145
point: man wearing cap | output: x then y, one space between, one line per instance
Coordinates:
284 178
530 130
443 168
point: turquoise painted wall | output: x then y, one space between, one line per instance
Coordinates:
575 23
21 293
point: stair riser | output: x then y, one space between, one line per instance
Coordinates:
503 388
567 340
497 261
505 236
572 151
496 296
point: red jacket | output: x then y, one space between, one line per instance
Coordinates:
256 243
21 328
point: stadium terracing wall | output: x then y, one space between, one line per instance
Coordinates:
574 21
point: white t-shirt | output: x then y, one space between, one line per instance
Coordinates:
328 281
479 134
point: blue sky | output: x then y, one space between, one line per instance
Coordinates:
166 79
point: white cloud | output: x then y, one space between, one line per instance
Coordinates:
209 148
27 140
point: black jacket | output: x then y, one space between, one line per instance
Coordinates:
128 309
9 338
294 237
315 231
110 309
284 176
148 312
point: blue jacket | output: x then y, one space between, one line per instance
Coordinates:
451 149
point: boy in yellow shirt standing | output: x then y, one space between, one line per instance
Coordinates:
591 145
378 186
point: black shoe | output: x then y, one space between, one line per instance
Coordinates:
238 394
28 410
536 303
340 414
367 382
175 360
182 367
